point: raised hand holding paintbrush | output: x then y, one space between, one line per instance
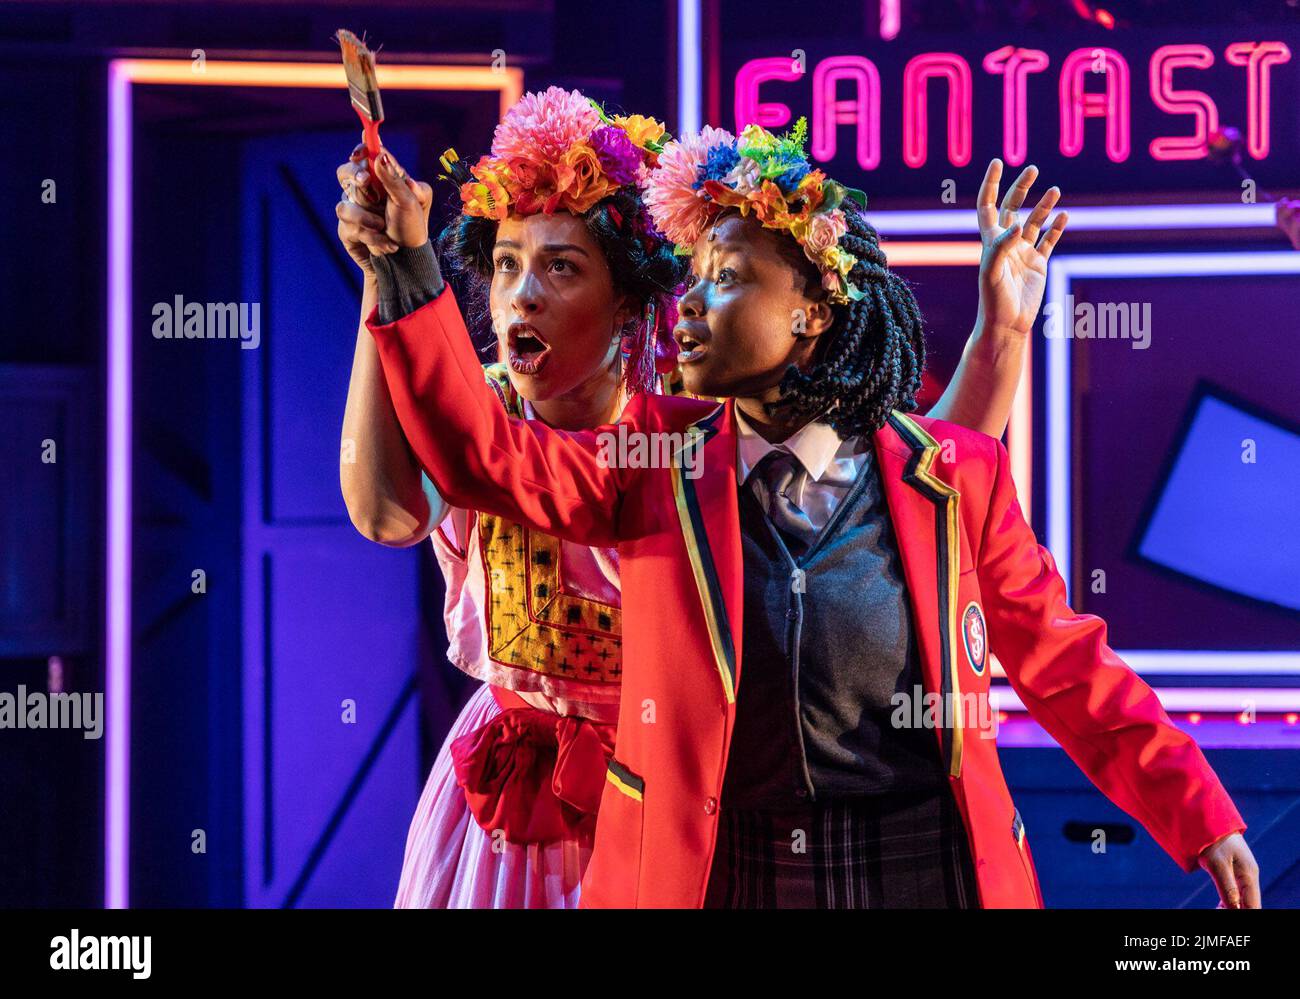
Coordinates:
377 227
382 207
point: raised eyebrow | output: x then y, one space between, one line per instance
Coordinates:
717 252
510 244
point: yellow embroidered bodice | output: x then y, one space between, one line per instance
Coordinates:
531 622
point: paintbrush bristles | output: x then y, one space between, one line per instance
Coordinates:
359 65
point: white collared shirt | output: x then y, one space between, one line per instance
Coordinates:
829 465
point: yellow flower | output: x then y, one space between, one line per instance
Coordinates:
837 260
755 138
640 129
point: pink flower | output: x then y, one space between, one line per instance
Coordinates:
542 126
824 231
679 211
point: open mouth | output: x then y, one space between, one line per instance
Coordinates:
526 350
690 347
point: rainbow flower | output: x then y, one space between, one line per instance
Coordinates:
769 175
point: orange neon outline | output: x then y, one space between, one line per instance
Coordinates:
392 76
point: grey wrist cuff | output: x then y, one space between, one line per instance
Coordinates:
406 280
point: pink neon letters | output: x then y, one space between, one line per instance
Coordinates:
1093 83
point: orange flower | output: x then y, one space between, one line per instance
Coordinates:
811 189
766 201
769 203
586 182
539 186
487 196
725 196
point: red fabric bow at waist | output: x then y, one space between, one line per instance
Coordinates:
535 775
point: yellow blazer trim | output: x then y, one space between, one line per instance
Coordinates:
950 547
623 786
692 524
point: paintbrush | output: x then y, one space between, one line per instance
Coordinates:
359 65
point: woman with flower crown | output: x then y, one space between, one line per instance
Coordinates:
579 287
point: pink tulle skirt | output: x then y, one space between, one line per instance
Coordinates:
452 863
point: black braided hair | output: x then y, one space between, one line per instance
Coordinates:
869 361
641 263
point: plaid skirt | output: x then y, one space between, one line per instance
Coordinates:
893 851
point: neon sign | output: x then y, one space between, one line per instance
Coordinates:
1093 82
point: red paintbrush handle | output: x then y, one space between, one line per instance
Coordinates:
370 139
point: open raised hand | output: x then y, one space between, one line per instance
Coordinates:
1013 264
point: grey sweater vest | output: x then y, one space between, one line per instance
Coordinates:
828 640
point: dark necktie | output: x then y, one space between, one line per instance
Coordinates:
777 470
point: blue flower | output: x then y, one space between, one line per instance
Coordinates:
722 159
788 179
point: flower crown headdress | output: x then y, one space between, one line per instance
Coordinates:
698 176
557 150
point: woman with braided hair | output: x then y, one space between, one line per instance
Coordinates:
804 556
870 360
861 604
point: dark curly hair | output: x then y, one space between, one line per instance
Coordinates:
641 262
870 360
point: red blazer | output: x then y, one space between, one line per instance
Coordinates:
972 565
